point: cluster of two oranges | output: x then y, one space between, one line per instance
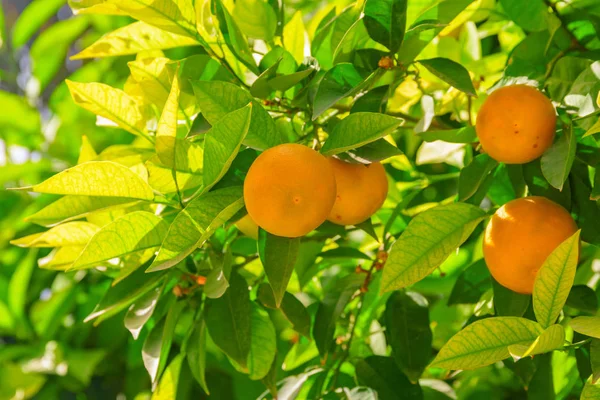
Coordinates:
291 189
516 125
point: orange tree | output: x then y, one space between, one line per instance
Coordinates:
392 199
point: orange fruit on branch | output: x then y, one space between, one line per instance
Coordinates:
519 238
361 190
289 190
516 124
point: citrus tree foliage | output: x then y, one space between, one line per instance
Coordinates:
127 274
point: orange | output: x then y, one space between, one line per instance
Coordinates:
247 226
289 190
361 190
516 124
519 238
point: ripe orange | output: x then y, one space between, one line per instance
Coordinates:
519 238
361 190
289 190
516 124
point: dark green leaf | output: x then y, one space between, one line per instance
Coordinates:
292 308
345 252
375 151
382 374
583 298
228 320
471 284
556 162
386 22
196 353
531 15
450 72
473 175
462 135
509 303
539 186
408 332
278 256
339 82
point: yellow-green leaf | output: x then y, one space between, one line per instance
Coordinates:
554 281
590 392
294 37
167 126
133 232
69 234
589 326
160 177
196 223
73 207
60 259
94 7
427 241
86 152
167 388
177 16
110 103
552 338
593 130
97 178
133 39
485 342
222 143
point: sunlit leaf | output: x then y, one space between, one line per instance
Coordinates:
485 342
294 38
97 178
169 383
36 14
552 338
110 103
554 280
133 232
427 241
589 326
71 233
196 223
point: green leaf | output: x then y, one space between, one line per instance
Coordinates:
229 321
443 12
71 233
427 241
583 298
485 342
217 99
196 223
293 37
147 37
556 162
593 130
110 103
278 256
589 326
18 115
18 286
382 374
331 308
139 230
235 39
595 359
553 338
473 175
73 207
32 18
256 18
50 48
222 143
554 280
452 73
530 15
263 344
386 22
124 293
196 353
292 308
508 303
539 186
339 82
471 284
156 348
217 281
345 252
408 332
378 150
176 16
169 383
140 312
462 135
566 70
359 129
97 178
590 392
